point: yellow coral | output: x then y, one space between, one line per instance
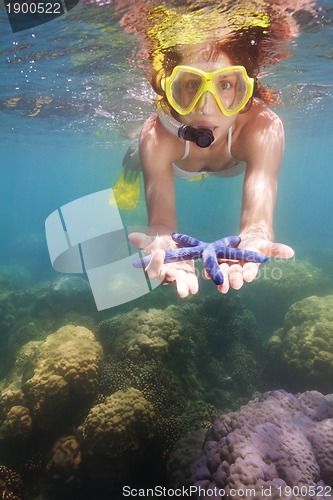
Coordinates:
64 368
123 422
305 343
116 437
65 463
14 415
141 332
18 422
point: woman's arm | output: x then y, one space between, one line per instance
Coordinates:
264 150
156 150
262 142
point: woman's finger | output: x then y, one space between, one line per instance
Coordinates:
250 271
155 267
182 284
236 276
193 284
140 240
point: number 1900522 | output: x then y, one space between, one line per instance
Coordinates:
305 491
32 7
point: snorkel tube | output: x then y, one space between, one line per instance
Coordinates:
201 136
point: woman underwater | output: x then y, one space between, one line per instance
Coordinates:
212 119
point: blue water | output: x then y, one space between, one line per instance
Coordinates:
71 105
72 101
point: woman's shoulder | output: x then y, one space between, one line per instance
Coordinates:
257 128
160 141
259 113
154 128
259 119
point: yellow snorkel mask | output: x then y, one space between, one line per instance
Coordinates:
231 87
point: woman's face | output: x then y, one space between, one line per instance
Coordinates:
207 113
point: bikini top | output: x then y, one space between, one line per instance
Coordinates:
172 125
237 168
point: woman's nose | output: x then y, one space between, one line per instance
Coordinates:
207 104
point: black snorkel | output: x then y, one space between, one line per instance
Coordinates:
201 136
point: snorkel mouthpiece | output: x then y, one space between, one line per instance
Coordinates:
201 136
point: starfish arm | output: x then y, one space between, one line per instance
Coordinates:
192 248
183 254
178 254
240 254
228 241
211 265
143 262
185 240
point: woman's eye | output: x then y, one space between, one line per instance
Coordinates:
192 85
224 85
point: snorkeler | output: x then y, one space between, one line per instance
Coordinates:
212 119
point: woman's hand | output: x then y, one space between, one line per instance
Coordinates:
182 273
236 273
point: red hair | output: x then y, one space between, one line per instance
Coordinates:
254 46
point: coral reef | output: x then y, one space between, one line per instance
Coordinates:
195 357
15 276
32 313
117 434
67 293
280 284
185 452
176 413
11 485
140 333
64 467
7 305
17 422
63 371
232 347
212 345
302 351
81 414
274 442
49 380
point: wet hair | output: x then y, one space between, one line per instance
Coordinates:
252 48
254 35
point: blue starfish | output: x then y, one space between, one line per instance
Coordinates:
192 248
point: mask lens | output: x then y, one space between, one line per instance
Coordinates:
232 90
184 89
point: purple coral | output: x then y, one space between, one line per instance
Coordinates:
278 446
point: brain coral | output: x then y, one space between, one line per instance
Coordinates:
17 422
115 434
273 442
15 419
64 465
211 344
281 284
304 346
139 332
63 371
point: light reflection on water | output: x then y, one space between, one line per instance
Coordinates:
81 73
73 97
